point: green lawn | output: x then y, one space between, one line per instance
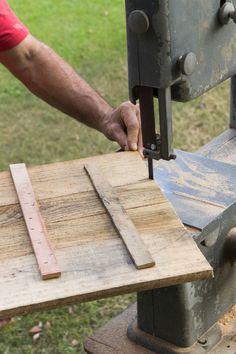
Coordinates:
91 36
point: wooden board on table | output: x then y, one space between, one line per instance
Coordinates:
37 230
123 224
92 257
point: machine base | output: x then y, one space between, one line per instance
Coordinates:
159 346
112 338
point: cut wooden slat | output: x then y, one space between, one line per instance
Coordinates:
124 226
35 225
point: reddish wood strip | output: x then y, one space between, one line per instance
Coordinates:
123 224
35 225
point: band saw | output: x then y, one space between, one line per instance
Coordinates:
178 50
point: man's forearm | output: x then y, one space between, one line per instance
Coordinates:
49 77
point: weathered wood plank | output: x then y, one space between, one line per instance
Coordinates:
93 259
36 227
124 226
63 213
58 179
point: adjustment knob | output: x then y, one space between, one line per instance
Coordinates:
138 22
227 12
188 63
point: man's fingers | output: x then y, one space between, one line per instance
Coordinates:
123 126
132 124
121 139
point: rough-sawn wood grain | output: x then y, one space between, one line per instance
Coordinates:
122 222
92 257
37 230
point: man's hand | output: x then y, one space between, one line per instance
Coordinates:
123 125
49 77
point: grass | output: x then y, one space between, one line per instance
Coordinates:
91 36
61 327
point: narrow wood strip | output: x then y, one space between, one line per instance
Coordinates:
34 222
126 229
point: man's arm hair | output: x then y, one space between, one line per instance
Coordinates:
49 77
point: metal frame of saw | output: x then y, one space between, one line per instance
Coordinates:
168 59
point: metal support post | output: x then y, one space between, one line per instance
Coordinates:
232 123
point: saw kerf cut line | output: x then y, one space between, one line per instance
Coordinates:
34 222
123 224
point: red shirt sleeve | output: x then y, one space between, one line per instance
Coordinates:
12 30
